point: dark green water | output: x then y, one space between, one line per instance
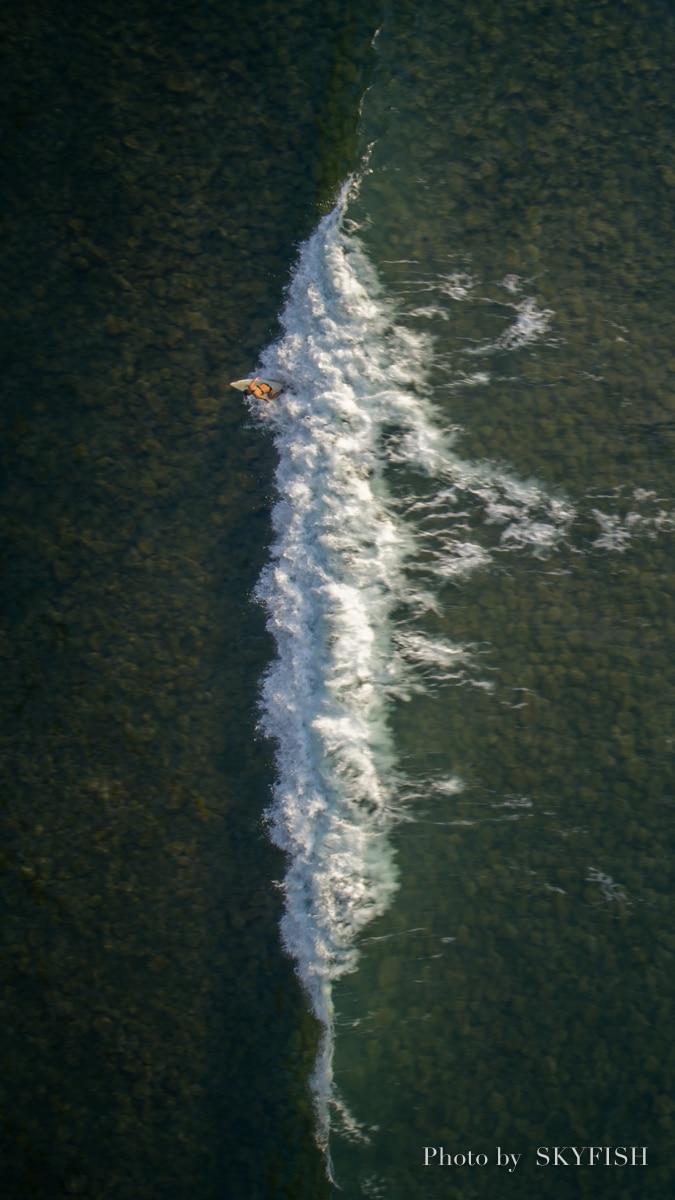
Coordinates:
160 162
519 992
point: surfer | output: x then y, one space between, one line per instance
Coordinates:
262 390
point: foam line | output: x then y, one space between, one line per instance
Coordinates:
345 559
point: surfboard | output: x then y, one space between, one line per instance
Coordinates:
242 385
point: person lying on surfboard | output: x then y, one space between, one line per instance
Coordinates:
261 389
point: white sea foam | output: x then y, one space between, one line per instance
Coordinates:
528 326
459 285
349 560
617 532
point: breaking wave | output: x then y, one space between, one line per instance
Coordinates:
355 563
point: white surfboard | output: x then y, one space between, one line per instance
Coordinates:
242 385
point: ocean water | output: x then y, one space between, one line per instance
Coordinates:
337 740
155 1040
470 590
